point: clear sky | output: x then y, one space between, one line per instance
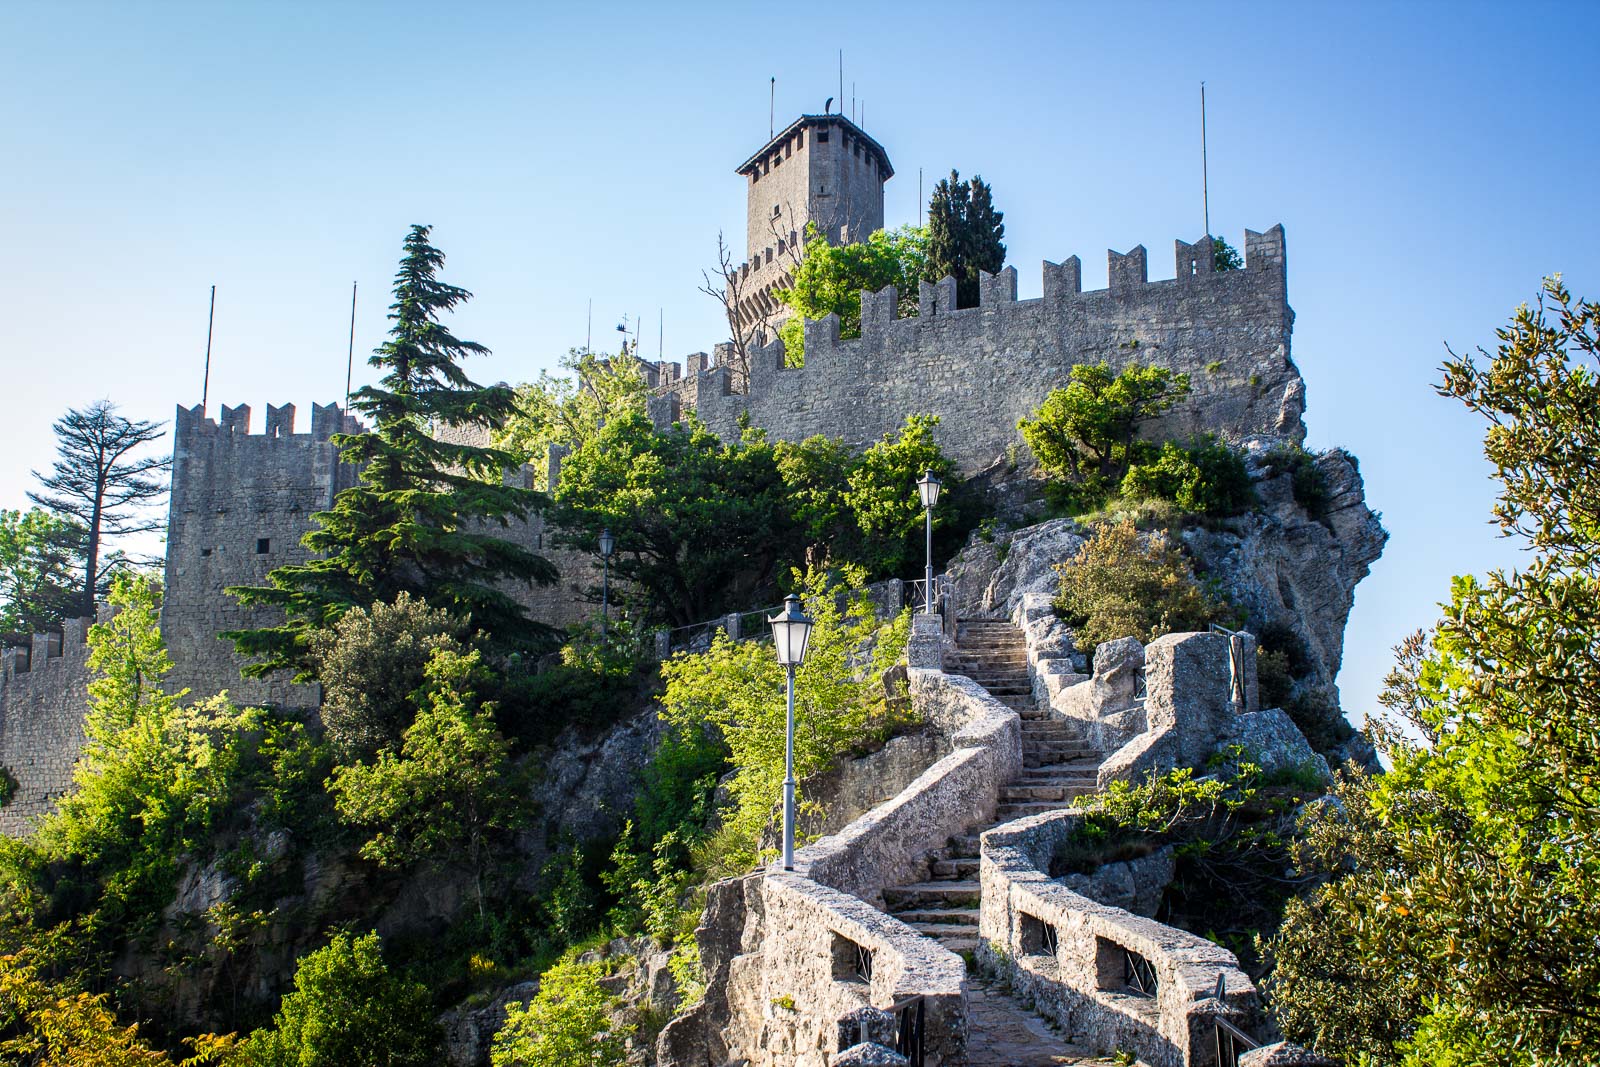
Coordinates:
1429 162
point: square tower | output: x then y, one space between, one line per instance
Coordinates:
822 169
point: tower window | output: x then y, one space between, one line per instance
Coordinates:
204 552
777 209
263 545
822 136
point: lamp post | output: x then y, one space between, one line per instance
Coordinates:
791 630
607 543
928 487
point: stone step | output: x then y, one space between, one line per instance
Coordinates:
939 916
1034 761
1057 793
959 867
1041 730
943 931
963 845
1063 750
925 892
1016 810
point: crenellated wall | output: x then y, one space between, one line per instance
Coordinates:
981 369
43 689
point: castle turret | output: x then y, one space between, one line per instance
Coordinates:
822 169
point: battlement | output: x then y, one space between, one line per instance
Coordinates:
43 692
47 653
326 420
982 368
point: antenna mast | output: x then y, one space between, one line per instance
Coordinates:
350 355
1205 177
841 81
772 108
205 384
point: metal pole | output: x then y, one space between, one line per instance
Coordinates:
205 384
1205 178
788 778
929 588
350 356
605 594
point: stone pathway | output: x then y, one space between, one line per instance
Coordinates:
1058 766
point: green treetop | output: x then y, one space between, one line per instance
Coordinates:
420 518
569 409
964 235
829 280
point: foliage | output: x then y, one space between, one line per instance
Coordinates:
569 409
1225 256
371 663
840 705
39 586
1465 884
1123 583
101 487
883 498
448 794
965 235
572 1020
45 1023
348 1008
700 525
829 279
1206 477
1085 436
1310 484
566 901
420 518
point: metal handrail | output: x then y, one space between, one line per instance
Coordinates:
911 1040
1230 1039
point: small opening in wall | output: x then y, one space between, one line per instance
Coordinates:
263 545
204 552
1039 938
822 136
851 962
777 209
1121 969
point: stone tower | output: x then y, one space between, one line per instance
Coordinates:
822 169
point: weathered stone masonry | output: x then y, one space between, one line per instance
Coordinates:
42 692
981 369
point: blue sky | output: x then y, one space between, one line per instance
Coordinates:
1429 162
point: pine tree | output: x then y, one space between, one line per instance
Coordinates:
964 235
100 485
419 519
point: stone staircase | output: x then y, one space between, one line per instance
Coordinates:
1058 765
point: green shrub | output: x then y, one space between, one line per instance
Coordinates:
8 786
1206 477
371 664
1309 483
347 1008
1124 583
1272 677
573 1021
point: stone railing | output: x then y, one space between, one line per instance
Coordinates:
800 965
1109 978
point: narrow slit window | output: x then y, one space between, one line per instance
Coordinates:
263 545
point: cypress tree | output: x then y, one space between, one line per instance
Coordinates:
964 235
420 518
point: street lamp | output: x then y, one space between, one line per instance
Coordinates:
607 543
928 486
791 630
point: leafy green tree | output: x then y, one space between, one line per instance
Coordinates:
882 495
1464 893
372 662
420 518
101 484
448 796
39 585
1124 583
569 409
737 688
965 235
1085 436
829 280
1205 477
1224 256
348 1008
700 526
572 1021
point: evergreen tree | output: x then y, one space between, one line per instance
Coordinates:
39 584
418 520
964 235
100 485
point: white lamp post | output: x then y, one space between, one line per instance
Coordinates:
607 543
928 487
791 631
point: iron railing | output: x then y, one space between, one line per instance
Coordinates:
913 1031
1230 1039
1138 975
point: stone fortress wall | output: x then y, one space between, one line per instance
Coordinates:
43 688
981 369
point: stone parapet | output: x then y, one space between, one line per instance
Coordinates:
1108 977
44 690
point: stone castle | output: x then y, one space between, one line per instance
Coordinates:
241 501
